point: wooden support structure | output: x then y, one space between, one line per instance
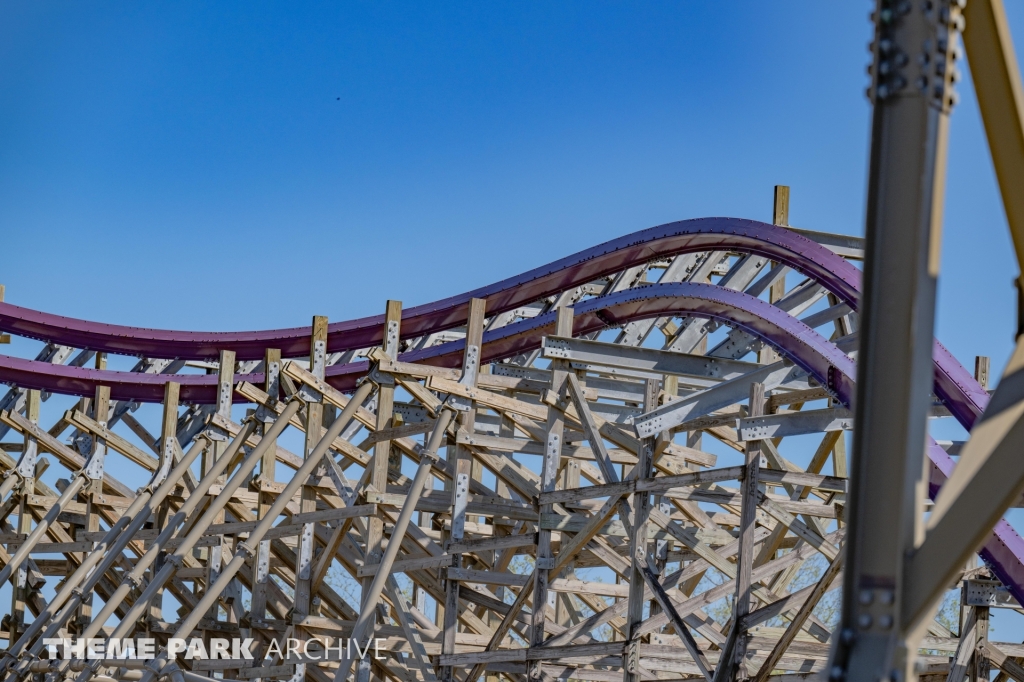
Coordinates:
534 492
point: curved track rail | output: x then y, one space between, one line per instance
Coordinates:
564 280
953 382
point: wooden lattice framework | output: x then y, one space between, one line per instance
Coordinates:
458 497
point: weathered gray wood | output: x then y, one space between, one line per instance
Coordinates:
463 470
554 436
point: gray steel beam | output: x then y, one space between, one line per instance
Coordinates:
705 402
912 93
643 359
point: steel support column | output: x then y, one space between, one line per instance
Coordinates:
912 93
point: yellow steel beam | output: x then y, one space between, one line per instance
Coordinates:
1001 99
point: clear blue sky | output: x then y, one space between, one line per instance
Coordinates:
231 166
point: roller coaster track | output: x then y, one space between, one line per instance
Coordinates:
607 287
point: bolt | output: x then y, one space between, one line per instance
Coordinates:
865 597
888 596
864 621
885 622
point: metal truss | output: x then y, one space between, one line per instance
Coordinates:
584 472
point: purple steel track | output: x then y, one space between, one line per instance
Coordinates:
966 400
685 236
954 384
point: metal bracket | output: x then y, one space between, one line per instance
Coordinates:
305 552
459 512
27 462
225 389
556 348
468 378
309 395
263 561
93 469
317 365
378 377
215 433
391 339
166 461
318 362
264 414
990 593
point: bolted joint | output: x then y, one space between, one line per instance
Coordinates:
379 377
432 456
174 560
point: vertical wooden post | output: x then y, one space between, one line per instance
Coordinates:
225 392
748 519
169 423
733 664
268 468
21 590
982 665
563 605
307 503
381 455
780 216
101 412
669 392
780 207
167 443
215 553
981 369
4 338
549 476
506 429
638 545
463 472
